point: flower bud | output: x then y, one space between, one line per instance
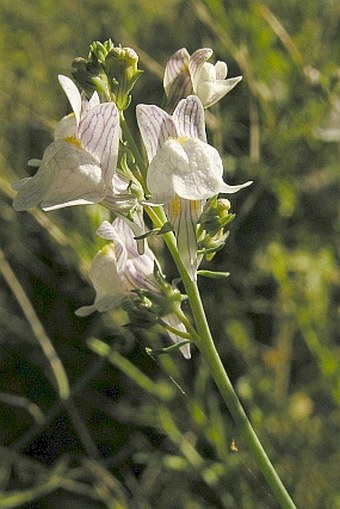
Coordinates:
140 310
90 73
213 221
122 67
215 215
111 70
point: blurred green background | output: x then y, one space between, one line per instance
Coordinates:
81 427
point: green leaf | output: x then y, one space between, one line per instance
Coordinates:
167 227
212 274
167 349
149 233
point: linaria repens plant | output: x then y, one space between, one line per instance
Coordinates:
180 187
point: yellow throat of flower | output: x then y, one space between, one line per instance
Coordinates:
182 139
74 141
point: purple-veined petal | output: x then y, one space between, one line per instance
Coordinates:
72 94
177 64
109 231
121 233
189 118
183 215
106 231
197 60
139 267
98 131
139 274
118 232
155 126
175 322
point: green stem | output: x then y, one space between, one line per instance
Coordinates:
207 347
212 358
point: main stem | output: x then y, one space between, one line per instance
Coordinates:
207 347
212 358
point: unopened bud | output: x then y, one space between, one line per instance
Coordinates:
122 67
215 215
109 69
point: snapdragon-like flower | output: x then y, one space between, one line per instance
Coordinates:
78 167
185 75
118 269
184 170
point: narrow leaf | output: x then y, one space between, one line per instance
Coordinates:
212 274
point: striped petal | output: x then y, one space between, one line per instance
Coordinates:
108 231
177 65
155 126
98 131
184 215
189 118
197 60
136 268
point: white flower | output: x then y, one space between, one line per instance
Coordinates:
78 167
118 268
185 74
184 170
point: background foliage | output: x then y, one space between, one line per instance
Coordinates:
98 423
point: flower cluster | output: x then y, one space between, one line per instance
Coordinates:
94 159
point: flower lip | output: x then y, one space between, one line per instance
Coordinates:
189 168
